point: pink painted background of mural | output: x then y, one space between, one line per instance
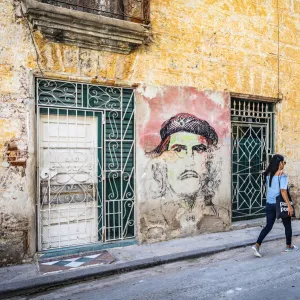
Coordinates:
176 100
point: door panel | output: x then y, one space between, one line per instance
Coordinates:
248 161
252 145
68 176
86 153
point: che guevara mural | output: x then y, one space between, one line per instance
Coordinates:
184 146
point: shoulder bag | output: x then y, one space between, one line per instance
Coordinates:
281 206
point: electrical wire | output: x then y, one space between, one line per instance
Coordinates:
279 94
33 41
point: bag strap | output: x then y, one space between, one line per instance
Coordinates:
287 189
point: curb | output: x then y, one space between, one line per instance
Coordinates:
55 280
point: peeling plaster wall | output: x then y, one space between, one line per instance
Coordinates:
207 44
17 206
17 189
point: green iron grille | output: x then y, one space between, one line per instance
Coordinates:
116 151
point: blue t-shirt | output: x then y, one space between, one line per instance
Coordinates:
274 190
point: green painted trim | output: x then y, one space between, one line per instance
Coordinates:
100 199
84 248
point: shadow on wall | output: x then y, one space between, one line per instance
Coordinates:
13 239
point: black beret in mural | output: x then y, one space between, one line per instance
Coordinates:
188 123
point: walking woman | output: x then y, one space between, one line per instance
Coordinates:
276 183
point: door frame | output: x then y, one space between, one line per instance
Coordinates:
257 113
127 108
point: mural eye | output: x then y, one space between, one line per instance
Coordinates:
200 148
179 148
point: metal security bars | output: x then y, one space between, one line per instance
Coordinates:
129 10
252 145
86 152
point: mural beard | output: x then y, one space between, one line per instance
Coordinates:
186 185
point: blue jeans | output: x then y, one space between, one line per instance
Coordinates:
271 217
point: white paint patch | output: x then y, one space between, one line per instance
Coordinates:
279 106
22 146
252 82
230 292
5 164
238 289
150 92
193 97
216 97
191 3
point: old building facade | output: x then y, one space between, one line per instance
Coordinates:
141 120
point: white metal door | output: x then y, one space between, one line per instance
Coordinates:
68 164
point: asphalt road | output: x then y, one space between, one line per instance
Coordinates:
234 274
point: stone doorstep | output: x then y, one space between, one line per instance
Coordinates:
71 262
88 249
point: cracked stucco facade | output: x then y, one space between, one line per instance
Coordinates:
208 45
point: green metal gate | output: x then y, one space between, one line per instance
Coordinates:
86 174
252 145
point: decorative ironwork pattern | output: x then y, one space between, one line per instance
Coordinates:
130 10
85 163
252 144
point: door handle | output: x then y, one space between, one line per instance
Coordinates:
47 174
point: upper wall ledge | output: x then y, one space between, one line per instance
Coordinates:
83 29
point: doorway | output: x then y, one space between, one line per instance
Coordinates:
85 164
252 136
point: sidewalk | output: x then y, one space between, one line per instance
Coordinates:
26 279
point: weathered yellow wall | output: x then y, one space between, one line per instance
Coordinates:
206 44
209 44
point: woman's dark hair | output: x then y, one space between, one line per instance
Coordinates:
273 167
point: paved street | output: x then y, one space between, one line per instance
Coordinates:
234 274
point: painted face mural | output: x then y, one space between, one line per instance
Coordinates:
187 146
186 176
183 134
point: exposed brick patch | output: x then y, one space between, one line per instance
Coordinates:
15 154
